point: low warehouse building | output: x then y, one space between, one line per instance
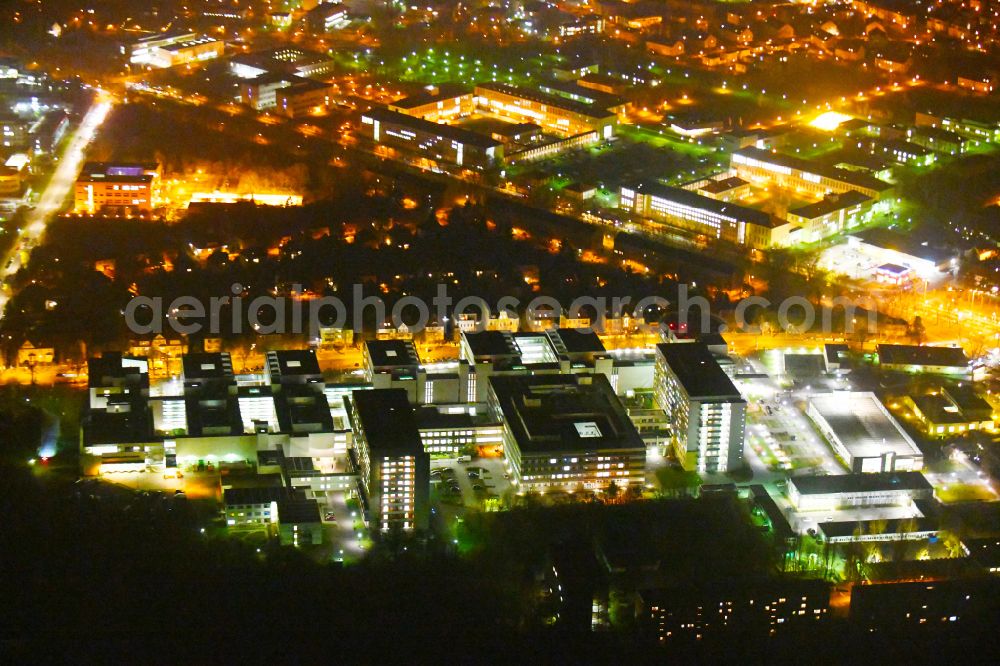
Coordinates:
863 433
853 491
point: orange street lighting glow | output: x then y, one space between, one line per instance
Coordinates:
829 120
263 198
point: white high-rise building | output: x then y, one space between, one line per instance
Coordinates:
704 407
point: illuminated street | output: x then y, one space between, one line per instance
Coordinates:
53 198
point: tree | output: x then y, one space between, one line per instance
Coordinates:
916 332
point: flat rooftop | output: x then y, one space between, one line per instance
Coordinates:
806 166
922 355
100 427
207 366
588 110
388 421
861 483
564 413
511 351
835 352
938 134
303 86
301 408
189 43
697 370
711 339
600 79
722 185
119 168
214 412
902 146
862 424
166 36
804 365
292 362
392 353
938 409
853 124
966 398
113 368
922 243
258 495
858 160
107 178
830 204
779 523
436 94
452 132
431 417
588 95
298 511
287 54
489 344
575 341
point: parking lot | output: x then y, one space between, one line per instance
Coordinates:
779 434
471 484
958 479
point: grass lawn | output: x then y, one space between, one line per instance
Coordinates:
672 479
964 492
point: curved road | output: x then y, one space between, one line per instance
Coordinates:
53 198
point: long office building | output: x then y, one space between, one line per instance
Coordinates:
756 165
164 50
431 140
437 103
939 140
973 128
564 432
550 112
833 214
896 529
852 491
390 457
719 220
575 92
282 60
924 358
705 407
